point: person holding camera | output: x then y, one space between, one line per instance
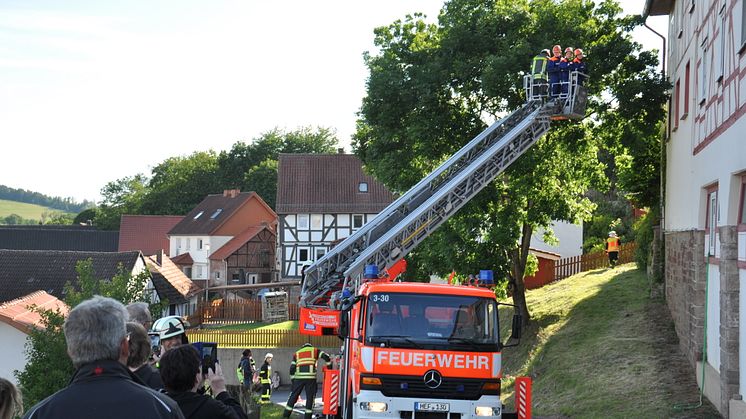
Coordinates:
182 376
138 359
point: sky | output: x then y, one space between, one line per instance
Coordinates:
91 92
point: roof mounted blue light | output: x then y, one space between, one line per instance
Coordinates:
486 277
371 272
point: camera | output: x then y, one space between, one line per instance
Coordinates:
208 352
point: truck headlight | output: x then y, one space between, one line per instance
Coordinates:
487 411
377 407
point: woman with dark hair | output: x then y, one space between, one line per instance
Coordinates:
137 361
182 376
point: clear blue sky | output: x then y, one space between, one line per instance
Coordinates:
92 91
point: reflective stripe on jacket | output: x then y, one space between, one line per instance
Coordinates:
539 67
303 366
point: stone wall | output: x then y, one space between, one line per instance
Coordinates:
685 281
729 315
685 289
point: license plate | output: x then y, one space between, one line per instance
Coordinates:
431 407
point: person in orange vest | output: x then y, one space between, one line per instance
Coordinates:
303 371
612 248
553 70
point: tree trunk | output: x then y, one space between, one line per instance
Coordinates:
520 256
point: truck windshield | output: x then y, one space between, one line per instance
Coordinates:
432 321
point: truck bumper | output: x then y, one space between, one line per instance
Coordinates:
400 407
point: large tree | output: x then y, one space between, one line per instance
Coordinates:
433 87
179 183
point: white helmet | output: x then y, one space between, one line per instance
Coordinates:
269 355
168 327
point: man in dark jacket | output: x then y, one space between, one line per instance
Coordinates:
247 367
182 376
102 386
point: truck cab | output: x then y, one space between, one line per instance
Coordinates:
423 350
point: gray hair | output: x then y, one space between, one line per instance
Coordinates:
94 330
11 403
139 312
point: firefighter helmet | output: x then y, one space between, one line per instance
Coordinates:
168 327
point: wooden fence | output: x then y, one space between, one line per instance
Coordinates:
261 338
566 267
233 311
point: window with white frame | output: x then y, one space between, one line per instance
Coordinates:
712 219
303 253
199 244
178 243
188 243
316 221
742 212
702 79
320 252
357 220
362 187
720 56
303 221
743 24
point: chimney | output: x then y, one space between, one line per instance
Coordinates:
231 193
340 150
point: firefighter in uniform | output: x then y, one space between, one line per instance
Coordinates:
303 371
540 84
265 373
612 248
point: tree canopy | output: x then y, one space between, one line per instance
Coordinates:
433 87
179 183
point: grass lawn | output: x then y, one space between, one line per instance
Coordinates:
599 346
288 325
272 411
29 211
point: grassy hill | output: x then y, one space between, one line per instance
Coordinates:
27 211
599 346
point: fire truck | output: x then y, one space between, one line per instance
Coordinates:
420 350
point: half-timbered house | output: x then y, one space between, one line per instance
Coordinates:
227 239
321 199
704 223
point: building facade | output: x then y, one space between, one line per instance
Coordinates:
218 227
322 199
704 219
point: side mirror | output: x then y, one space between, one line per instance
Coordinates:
517 322
344 325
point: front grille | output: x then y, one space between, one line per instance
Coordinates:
450 388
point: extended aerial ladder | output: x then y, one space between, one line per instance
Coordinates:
406 222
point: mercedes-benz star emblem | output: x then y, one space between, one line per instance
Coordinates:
432 379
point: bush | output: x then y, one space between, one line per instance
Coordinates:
643 228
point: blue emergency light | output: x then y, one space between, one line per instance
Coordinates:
486 277
371 272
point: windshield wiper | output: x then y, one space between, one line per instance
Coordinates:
387 340
470 342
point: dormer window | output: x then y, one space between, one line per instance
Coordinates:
199 214
362 187
216 213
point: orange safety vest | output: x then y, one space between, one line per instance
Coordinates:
305 362
613 244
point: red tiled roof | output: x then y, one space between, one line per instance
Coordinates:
169 281
18 314
327 183
183 259
214 211
146 233
236 242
